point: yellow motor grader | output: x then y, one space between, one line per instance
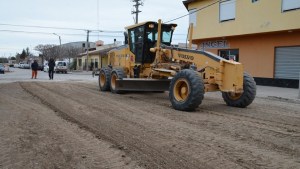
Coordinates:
148 62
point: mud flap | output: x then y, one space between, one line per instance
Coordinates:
137 84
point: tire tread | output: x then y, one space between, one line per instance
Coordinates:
248 95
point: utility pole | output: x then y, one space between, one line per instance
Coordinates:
87 50
59 51
98 17
136 12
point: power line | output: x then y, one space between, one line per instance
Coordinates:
47 27
194 11
71 34
48 33
13 31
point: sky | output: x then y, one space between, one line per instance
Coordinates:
105 15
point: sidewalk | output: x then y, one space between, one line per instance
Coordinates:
277 92
83 72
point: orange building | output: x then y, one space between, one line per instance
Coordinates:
264 35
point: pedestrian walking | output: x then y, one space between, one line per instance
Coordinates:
51 65
34 68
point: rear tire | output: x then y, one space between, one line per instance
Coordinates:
104 79
244 99
116 74
186 90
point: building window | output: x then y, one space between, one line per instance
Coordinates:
288 5
230 54
227 10
193 16
254 1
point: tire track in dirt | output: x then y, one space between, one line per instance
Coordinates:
274 146
173 125
258 113
181 159
281 133
243 114
271 131
150 131
149 157
219 108
95 154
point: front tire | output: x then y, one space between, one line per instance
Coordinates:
104 79
244 99
186 90
116 74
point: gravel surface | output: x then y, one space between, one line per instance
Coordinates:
74 125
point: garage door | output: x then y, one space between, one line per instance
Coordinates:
287 63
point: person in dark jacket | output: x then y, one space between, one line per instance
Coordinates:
34 67
51 65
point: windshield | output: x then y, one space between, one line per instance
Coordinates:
61 64
144 37
166 36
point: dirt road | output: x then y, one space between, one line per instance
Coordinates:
71 125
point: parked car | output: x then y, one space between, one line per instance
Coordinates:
26 66
46 68
16 65
21 65
2 69
61 66
41 67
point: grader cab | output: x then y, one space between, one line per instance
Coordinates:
149 63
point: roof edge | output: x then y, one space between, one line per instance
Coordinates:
187 2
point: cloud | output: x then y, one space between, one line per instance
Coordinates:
112 15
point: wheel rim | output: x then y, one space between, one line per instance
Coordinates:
234 96
102 79
113 81
181 90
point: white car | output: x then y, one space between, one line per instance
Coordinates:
16 65
46 68
60 66
21 65
26 66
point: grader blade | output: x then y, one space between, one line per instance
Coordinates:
138 84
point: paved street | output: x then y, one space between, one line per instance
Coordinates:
17 74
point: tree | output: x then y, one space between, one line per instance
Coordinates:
48 51
3 60
69 52
18 57
27 52
23 55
